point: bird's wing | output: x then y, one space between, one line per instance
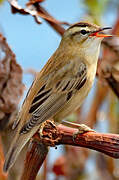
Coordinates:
51 98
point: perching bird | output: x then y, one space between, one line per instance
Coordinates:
61 86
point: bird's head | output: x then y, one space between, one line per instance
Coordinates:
85 34
84 39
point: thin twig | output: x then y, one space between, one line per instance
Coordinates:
57 27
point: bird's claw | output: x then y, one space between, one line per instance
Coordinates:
82 128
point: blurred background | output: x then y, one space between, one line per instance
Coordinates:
33 45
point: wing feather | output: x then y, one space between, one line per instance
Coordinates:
45 111
49 101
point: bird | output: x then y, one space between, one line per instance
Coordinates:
61 86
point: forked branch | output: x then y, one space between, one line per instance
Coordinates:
58 135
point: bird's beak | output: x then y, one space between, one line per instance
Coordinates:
98 33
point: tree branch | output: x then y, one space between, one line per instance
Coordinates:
56 26
57 135
35 157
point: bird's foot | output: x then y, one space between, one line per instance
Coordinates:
82 128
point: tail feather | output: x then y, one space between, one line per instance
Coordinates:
9 161
16 147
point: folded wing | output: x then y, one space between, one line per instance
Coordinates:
49 101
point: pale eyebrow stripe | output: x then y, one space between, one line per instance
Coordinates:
80 25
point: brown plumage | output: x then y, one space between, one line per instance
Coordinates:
60 87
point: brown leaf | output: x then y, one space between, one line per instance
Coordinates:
11 86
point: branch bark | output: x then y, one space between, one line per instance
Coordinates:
57 135
35 157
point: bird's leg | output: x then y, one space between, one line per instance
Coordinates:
82 128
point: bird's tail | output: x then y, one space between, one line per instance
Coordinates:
17 145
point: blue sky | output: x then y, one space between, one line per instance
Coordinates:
33 44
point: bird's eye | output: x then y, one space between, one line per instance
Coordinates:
83 32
